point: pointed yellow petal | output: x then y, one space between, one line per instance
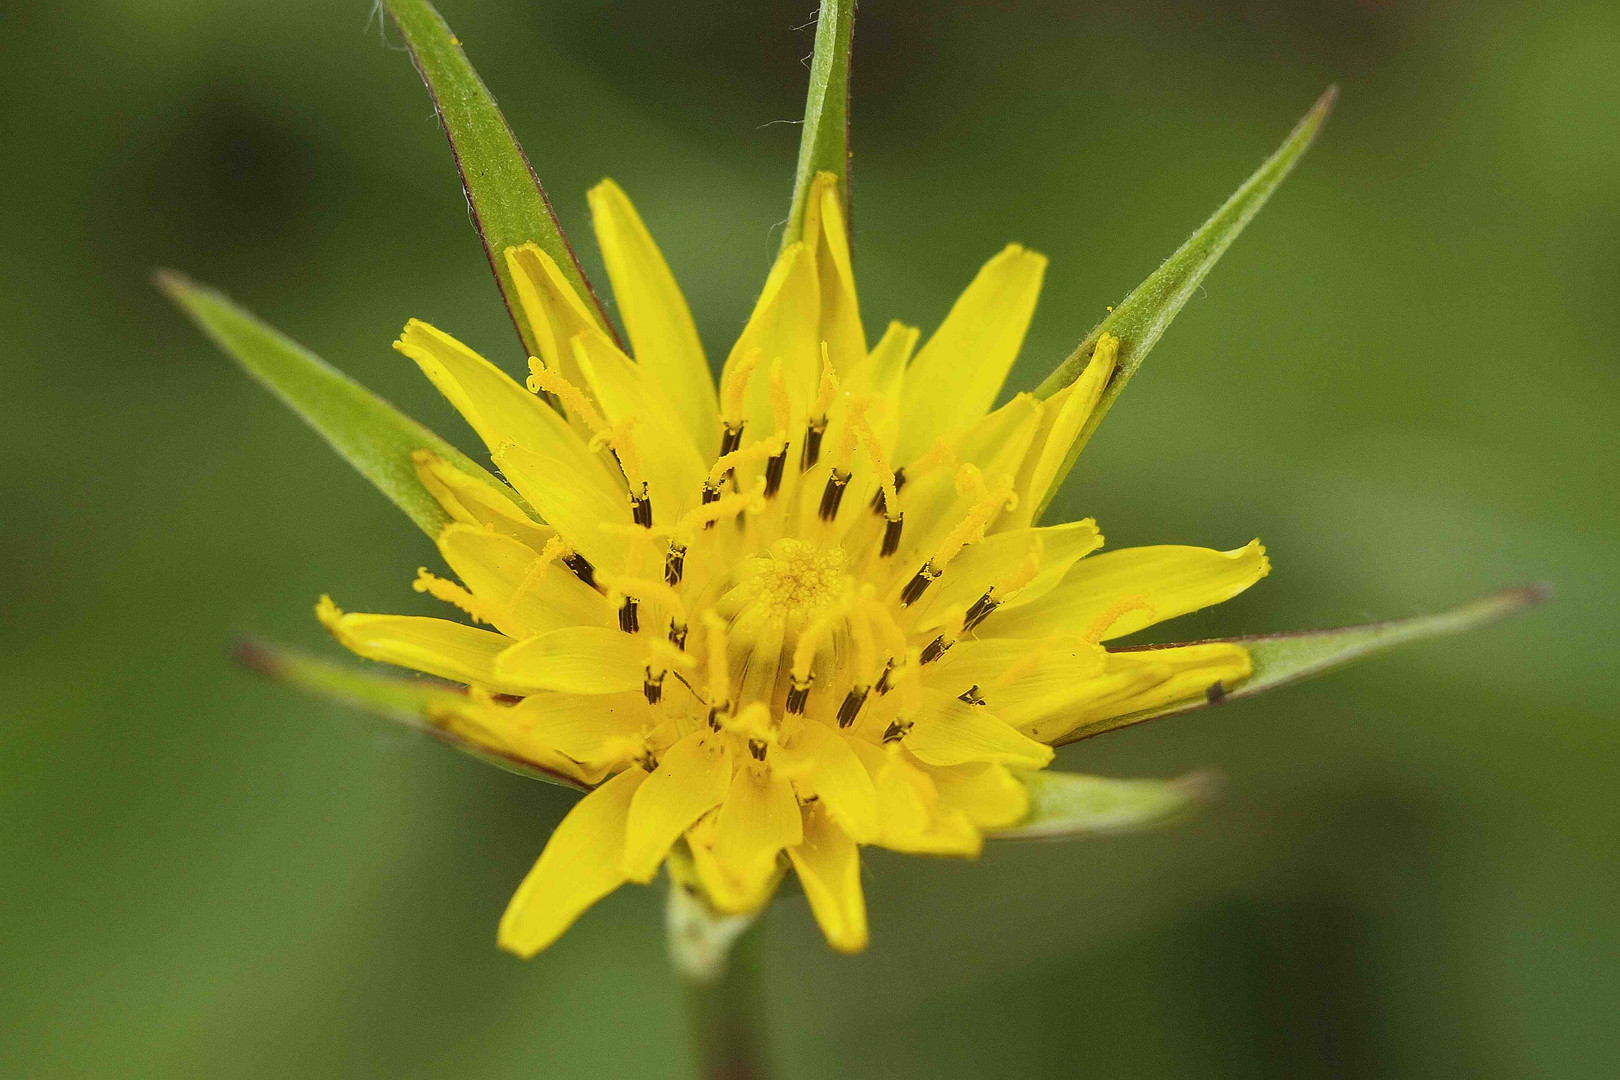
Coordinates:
1050 715
882 378
596 730
758 818
1188 672
471 502
1068 415
828 237
577 510
579 866
783 326
1162 582
990 795
1054 549
674 469
497 569
829 867
913 819
500 411
822 765
662 335
1022 681
691 779
554 310
575 660
950 732
436 646
957 375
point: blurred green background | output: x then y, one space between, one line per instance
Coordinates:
1402 377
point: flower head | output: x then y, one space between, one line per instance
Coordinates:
772 620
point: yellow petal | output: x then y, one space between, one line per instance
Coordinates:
990 795
998 558
882 379
1049 716
439 647
670 460
473 502
578 867
822 765
825 230
596 730
691 779
957 375
913 820
577 510
782 326
554 310
1067 416
1165 581
575 660
497 569
758 818
1193 671
500 410
950 732
829 867
662 335
1022 681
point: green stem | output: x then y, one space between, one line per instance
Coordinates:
717 956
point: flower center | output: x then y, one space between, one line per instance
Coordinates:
798 580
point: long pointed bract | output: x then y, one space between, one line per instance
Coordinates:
824 139
1280 659
508 204
367 431
1142 317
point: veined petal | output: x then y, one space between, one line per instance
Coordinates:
783 326
691 779
829 867
950 732
497 569
989 794
821 765
577 510
758 818
1021 681
1120 592
439 647
500 410
1146 680
674 469
575 660
555 311
600 730
957 375
578 867
472 502
662 335
998 558
827 236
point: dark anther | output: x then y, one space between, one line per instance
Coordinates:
641 508
581 567
677 634
880 502
884 683
896 731
674 563
891 535
711 493
983 606
714 717
1215 693
851 707
797 694
935 649
629 619
971 695
773 473
833 494
812 445
756 747
653 687
918 585
730 439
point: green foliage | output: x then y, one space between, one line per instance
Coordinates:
1064 806
367 431
824 140
509 207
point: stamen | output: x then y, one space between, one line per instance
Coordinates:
629 619
728 462
451 593
987 504
573 399
885 681
581 566
851 707
891 533
1104 622
712 510
555 549
897 731
641 508
982 607
880 502
936 649
756 749
918 585
653 686
940 455
674 563
833 494
773 472
719 661
677 634
971 695
731 438
798 693
812 444
733 385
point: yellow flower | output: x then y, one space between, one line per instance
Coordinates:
771 621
